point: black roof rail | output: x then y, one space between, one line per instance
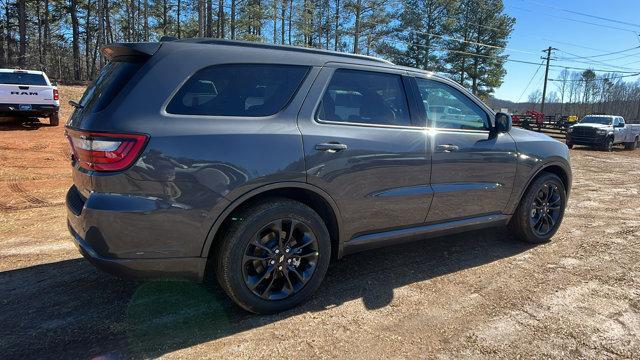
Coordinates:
282 47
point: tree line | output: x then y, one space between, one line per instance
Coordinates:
461 38
584 92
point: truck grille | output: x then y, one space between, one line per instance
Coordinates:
583 132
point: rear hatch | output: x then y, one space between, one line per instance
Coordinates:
99 151
21 87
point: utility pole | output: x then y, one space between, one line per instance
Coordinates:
546 75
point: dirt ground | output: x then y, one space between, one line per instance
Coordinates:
479 295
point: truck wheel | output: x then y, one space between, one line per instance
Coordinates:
541 210
54 119
608 145
569 145
631 145
274 257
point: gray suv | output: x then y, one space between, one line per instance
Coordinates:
265 162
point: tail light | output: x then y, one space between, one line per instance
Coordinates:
56 96
105 151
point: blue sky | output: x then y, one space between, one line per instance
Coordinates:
542 23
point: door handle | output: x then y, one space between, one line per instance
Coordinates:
331 147
447 148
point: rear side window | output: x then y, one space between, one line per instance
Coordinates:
365 97
23 79
246 90
111 79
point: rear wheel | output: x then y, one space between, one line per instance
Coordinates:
274 256
541 209
54 119
631 145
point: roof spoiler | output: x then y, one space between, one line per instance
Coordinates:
130 51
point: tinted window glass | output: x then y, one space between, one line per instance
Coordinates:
111 79
448 108
238 90
365 97
22 79
603 120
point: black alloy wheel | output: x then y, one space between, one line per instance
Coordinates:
273 255
280 259
545 209
541 209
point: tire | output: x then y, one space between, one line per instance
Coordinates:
54 119
247 240
570 145
608 145
631 145
523 224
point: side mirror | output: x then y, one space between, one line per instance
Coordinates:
502 122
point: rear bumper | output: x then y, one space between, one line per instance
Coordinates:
79 219
35 110
180 268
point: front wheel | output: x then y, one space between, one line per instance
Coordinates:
569 145
608 145
273 256
541 209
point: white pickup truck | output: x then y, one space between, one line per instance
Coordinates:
604 131
28 94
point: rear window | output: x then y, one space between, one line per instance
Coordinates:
23 79
246 90
111 79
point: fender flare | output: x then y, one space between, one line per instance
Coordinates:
233 205
540 168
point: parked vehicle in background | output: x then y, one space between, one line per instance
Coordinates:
264 162
603 131
28 94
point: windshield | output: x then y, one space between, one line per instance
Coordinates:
596 120
22 79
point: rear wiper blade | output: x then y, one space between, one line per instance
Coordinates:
75 104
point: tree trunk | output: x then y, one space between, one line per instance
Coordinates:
87 39
290 16
22 30
283 16
201 18
45 34
337 27
209 23
356 27
178 19
233 19
73 9
221 18
275 21
146 19
8 35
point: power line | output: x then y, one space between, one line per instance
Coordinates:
530 81
601 55
576 20
585 14
535 63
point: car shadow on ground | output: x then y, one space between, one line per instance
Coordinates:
9 124
69 309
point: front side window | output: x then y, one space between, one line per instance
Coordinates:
246 90
365 97
448 108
